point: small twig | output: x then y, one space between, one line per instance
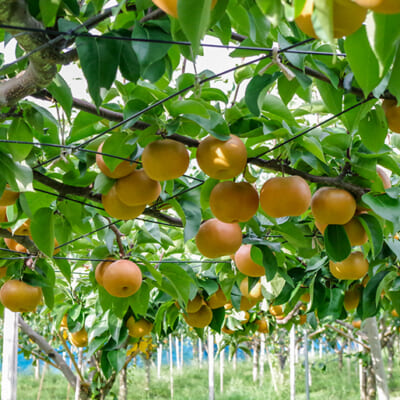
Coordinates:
78 371
118 236
346 335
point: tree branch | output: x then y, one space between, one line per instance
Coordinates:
290 315
348 336
49 351
86 193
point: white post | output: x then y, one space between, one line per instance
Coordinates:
234 360
200 345
171 367
371 329
10 356
211 387
181 362
262 358
320 347
177 353
159 360
312 350
78 381
292 350
271 370
306 366
221 365
255 361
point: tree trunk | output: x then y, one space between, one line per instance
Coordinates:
123 386
211 386
371 329
292 350
371 383
10 356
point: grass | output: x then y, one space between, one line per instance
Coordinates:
192 383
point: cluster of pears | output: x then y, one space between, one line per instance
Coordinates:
135 188
348 15
120 278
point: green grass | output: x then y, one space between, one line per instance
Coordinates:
192 383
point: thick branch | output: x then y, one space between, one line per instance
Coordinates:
41 69
86 193
47 349
336 181
24 240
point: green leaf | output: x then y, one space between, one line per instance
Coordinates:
128 63
179 279
369 305
218 319
275 106
65 268
61 91
337 243
84 125
99 60
331 97
263 255
215 124
114 326
48 11
383 32
189 107
394 82
383 205
194 27
362 60
374 232
140 300
255 88
190 206
322 19
117 359
18 176
148 52
19 131
373 129
42 230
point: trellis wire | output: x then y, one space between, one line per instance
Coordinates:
160 41
314 127
173 95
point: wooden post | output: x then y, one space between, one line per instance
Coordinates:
292 356
211 386
123 385
271 370
171 367
10 356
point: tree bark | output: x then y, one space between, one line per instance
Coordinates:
42 64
